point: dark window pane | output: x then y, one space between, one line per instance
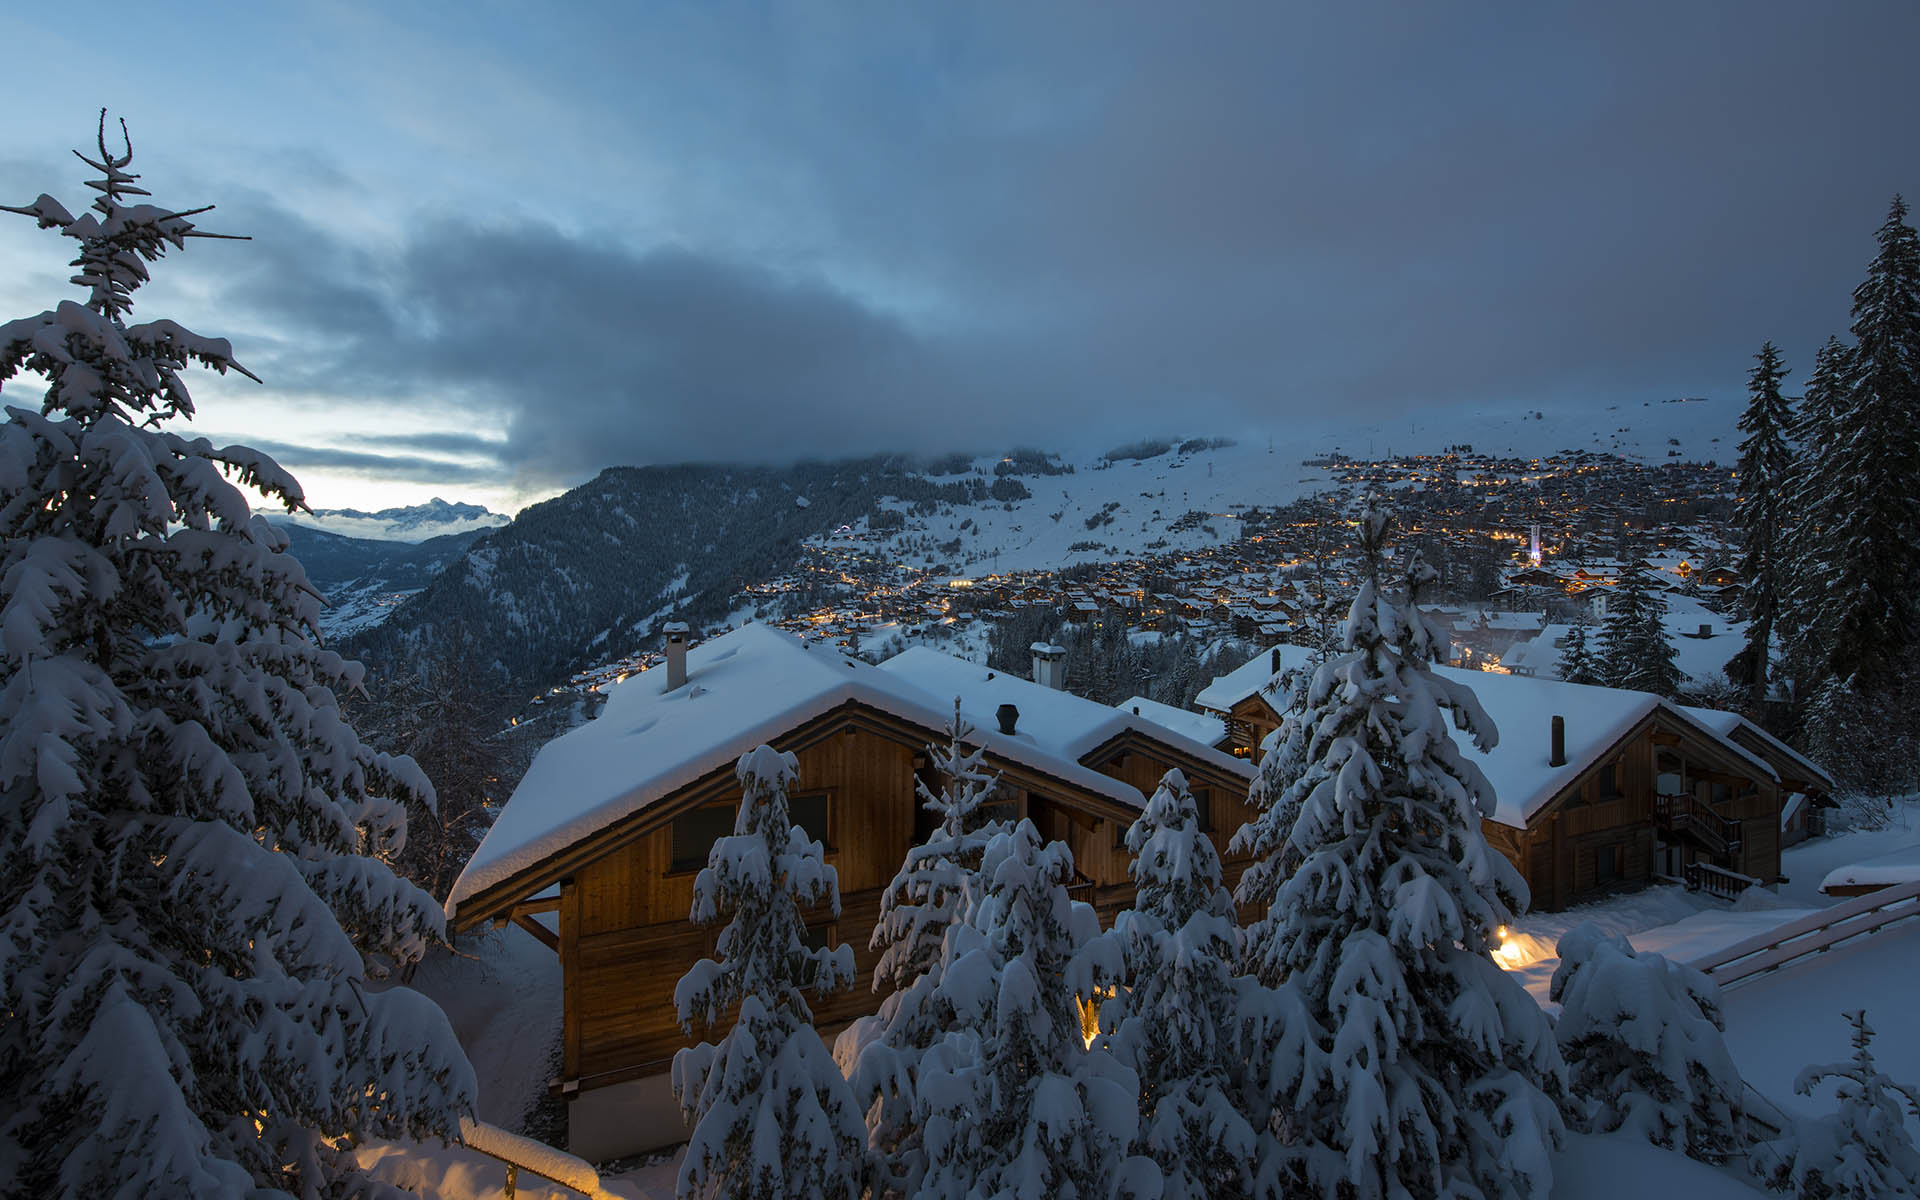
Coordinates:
809 812
695 832
1203 809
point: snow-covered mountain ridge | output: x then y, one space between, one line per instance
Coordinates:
413 523
1191 494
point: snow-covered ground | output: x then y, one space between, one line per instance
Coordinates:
501 993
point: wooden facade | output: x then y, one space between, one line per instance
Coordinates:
624 893
1665 797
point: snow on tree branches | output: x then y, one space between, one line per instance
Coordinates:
193 883
1634 651
1434 1071
1011 1102
772 1116
1766 468
931 892
1862 1152
1200 1037
1643 1042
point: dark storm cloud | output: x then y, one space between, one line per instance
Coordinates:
593 354
931 228
464 445
392 467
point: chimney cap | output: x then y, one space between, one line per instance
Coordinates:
1008 716
673 627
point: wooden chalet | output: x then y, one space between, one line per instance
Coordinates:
1597 788
597 851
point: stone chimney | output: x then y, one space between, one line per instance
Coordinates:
1559 747
676 632
1050 665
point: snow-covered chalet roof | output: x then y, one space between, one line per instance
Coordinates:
1244 680
1056 723
743 688
1204 728
1725 723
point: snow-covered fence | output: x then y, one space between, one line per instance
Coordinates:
1815 933
525 1154
1717 881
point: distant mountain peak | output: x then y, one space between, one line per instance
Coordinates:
410 523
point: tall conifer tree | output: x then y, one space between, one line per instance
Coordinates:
1436 1073
193 842
1578 663
1811 519
772 1115
1766 461
1876 449
1634 650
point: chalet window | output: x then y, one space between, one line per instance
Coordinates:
694 833
809 811
1203 809
1606 865
1609 785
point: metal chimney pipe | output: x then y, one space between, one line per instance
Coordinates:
1008 716
1275 660
676 632
1559 757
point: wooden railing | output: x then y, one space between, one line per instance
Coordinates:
1815 933
1689 816
536 1158
1716 881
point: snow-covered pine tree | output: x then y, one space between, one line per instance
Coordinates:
772 1115
1806 619
1011 1102
1578 663
1766 466
1436 1073
1201 1037
1267 837
1861 641
192 884
929 894
1877 458
1864 1151
1634 651
1642 1038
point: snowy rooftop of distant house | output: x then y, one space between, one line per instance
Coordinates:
1516 620
1244 680
1204 728
1537 655
1057 723
743 688
1522 710
1887 870
1724 723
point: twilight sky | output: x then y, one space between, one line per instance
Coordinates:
498 246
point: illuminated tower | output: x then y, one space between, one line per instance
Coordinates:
1533 545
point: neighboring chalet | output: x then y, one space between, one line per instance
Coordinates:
1596 787
597 851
